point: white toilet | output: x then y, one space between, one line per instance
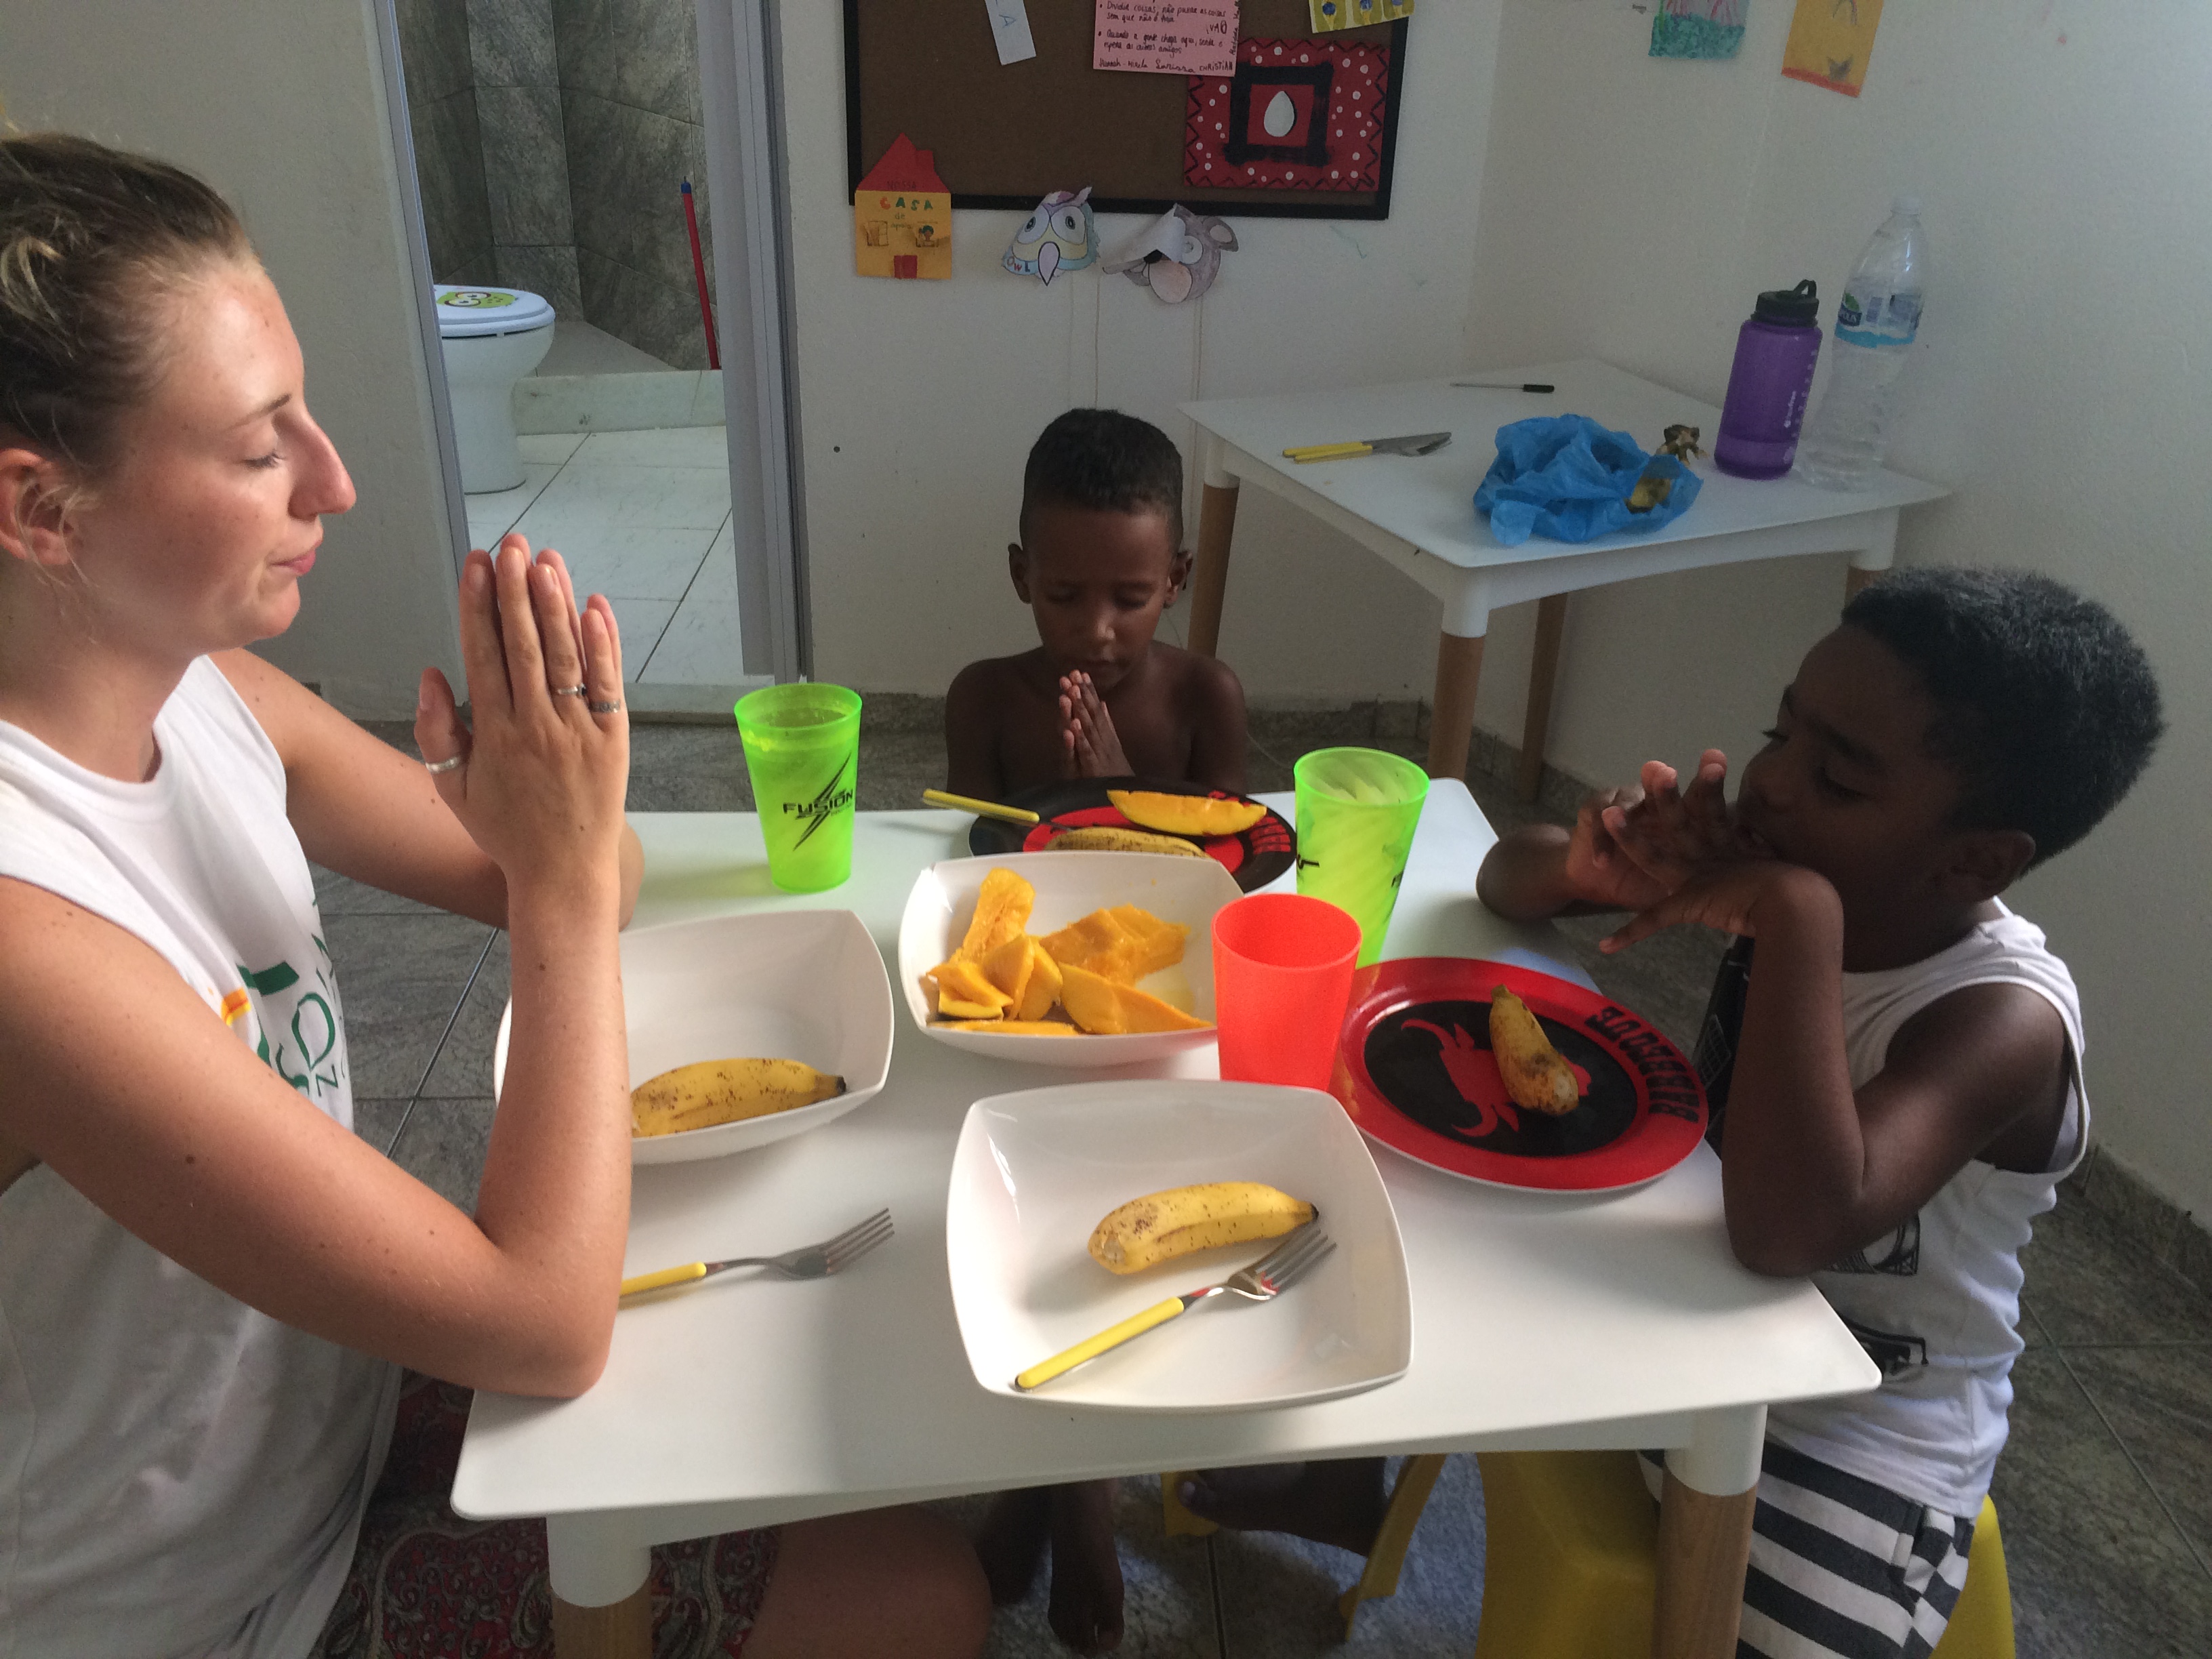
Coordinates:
491 338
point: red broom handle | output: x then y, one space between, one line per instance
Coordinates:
699 270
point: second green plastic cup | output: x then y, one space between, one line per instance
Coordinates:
803 750
1358 809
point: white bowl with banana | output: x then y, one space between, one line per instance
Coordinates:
747 1030
1084 959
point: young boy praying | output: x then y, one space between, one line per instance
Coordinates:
1892 1058
1100 558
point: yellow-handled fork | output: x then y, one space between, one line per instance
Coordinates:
1263 1281
807 1261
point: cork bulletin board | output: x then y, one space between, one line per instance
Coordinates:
1004 135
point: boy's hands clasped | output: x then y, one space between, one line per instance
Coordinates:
1093 750
1674 856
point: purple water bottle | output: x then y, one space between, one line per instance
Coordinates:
1770 383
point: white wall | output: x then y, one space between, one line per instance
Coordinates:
280 105
1631 209
920 400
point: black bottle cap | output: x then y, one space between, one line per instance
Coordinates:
1791 307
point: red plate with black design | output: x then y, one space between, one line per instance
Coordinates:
1414 1071
1254 856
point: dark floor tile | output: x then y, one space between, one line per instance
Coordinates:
400 981
896 767
443 1146
2158 1402
1666 978
400 734
688 768
1168 1587
2096 1567
1263 774
1287 734
463 1067
2140 1215
2088 1281
376 1122
1279 1593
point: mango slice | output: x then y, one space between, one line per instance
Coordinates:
1043 988
1186 815
1100 1005
1123 945
1002 911
1009 967
963 992
1013 1027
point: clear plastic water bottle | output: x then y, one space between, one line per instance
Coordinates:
1880 315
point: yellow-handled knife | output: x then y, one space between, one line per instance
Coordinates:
982 809
1413 443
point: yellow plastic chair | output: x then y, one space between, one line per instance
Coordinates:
1571 1539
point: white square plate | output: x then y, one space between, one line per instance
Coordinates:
805 985
1070 887
1035 1172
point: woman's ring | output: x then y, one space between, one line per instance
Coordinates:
575 691
614 707
445 765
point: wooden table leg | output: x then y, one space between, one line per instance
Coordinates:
1209 580
1543 674
1704 1534
593 1558
624 1630
1451 725
1705 1542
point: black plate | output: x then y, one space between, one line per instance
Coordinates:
1255 857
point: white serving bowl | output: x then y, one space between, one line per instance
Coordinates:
1070 887
804 985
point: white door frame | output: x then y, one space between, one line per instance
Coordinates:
741 91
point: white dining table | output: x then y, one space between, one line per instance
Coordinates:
1417 513
1541 1320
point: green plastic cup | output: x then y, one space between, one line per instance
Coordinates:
803 750
1357 811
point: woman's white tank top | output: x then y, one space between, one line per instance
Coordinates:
179 1475
1936 1302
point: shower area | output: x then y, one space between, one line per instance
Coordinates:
552 140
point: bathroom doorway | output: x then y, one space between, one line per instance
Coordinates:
553 144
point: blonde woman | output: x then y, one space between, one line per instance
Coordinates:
209 1286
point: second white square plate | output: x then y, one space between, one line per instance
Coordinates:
1035 1172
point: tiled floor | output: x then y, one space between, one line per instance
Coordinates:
2105 1490
643 518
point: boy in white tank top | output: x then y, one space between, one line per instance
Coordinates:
1892 1057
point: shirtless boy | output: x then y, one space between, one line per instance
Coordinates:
1100 558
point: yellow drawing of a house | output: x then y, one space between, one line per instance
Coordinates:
902 217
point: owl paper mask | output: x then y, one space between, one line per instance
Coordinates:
1061 235
1178 257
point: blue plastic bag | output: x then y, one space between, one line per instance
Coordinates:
1567 477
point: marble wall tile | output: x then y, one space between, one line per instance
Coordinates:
626 167
526 165
449 167
640 52
651 312
550 271
511 43
433 49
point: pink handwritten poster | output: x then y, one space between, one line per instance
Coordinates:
1166 37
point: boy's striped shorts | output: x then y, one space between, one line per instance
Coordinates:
1841 1568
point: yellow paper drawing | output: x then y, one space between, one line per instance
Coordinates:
1330 15
1830 41
902 217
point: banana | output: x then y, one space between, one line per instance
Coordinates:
1535 1075
1160 1226
1109 838
712 1091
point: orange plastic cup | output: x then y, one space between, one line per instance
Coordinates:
1282 977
